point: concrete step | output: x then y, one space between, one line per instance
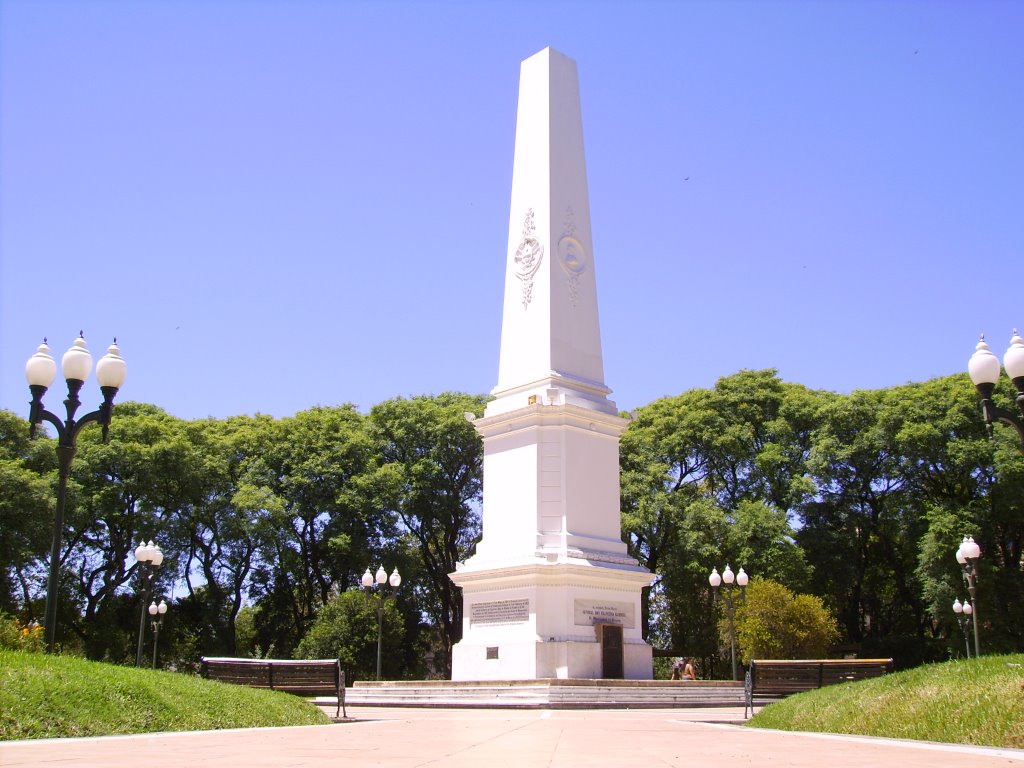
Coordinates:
547 694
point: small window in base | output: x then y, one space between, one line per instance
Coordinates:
492 652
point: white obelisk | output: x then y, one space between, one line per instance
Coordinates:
551 591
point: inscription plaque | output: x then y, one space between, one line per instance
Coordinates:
499 612
588 612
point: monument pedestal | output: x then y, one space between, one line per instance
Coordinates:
546 620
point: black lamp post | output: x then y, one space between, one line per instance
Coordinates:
156 613
40 371
983 368
149 558
963 613
378 583
731 581
968 555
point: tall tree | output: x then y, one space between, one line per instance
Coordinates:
430 476
890 465
222 532
967 484
347 629
122 492
666 458
711 475
26 511
325 526
855 532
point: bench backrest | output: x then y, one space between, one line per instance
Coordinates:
303 676
784 677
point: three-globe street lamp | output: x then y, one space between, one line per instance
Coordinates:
378 583
967 555
156 613
40 371
149 558
731 581
963 613
983 368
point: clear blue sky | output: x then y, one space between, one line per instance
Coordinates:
275 205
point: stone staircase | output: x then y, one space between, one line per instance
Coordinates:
547 694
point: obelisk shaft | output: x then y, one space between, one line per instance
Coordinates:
550 331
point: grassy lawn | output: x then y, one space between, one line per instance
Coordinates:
56 696
978 702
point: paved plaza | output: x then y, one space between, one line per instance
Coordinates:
408 738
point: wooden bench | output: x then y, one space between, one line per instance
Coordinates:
302 677
776 678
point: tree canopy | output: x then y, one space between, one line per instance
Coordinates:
857 501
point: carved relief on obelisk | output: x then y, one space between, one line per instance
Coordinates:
551 579
528 258
573 256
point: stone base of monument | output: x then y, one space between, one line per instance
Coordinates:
548 694
553 659
555 617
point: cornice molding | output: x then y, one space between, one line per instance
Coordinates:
537 415
542 575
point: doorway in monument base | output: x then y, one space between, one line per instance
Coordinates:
612 662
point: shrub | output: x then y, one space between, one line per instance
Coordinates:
346 629
15 636
773 622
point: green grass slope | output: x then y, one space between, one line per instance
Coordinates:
45 696
978 702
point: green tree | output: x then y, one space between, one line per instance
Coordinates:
968 484
761 540
430 476
773 622
902 474
711 476
860 532
663 459
127 490
27 498
223 533
346 629
309 482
